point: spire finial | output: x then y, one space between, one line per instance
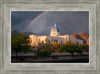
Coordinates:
55 24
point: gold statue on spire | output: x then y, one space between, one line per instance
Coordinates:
55 24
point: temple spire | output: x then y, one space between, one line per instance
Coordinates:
55 24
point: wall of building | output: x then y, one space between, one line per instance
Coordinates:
55 39
65 37
59 39
42 39
77 41
33 40
70 38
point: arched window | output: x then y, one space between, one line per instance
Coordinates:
56 41
61 42
42 41
48 41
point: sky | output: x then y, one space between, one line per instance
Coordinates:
41 22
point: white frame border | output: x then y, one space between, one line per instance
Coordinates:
50 66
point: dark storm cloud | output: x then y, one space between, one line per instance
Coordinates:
67 21
20 19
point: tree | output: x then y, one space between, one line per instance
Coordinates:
63 48
86 47
20 43
74 48
55 45
47 47
69 43
70 48
40 47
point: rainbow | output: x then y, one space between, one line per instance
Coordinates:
34 20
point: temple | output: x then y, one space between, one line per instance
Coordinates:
55 36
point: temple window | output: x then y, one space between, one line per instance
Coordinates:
42 41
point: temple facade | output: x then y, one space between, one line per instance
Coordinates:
55 36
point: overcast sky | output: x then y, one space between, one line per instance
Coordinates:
42 22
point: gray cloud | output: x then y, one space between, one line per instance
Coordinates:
67 22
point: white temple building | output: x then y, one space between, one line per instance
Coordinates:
54 37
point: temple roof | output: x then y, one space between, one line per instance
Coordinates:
55 28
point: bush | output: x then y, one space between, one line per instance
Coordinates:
44 53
